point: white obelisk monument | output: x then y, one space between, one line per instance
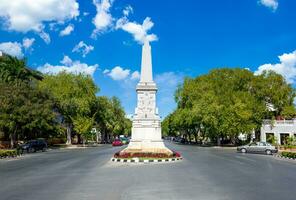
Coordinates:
146 129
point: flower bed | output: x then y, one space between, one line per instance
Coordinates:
8 153
146 155
288 154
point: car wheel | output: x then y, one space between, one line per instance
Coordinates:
43 149
31 150
244 150
268 152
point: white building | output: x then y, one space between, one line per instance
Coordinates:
280 129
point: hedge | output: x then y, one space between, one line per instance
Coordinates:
8 153
289 154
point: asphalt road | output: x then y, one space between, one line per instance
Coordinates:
205 174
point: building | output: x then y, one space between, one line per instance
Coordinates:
279 129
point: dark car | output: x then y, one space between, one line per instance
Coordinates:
181 140
33 146
258 147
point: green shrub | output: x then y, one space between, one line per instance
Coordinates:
289 154
9 153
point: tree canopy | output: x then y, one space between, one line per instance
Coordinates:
228 102
35 105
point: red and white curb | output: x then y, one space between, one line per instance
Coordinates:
137 160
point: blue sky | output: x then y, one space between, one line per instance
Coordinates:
188 38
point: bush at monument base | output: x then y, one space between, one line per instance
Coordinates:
121 154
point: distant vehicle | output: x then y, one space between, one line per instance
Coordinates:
181 140
124 140
33 146
117 142
258 147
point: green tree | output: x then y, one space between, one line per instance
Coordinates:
227 102
15 71
83 125
74 95
26 112
110 118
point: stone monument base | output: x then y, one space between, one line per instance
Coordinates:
156 147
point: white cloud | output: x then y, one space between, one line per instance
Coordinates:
139 31
106 71
66 61
12 48
45 36
118 73
135 76
75 67
286 67
167 83
272 4
30 15
169 79
28 42
103 19
83 48
67 30
127 10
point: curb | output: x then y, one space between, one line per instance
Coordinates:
136 160
285 158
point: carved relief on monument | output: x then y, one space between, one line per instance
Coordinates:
146 103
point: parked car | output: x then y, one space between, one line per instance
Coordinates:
117 142
258 147
181 140
33 146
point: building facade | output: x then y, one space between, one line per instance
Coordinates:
279 129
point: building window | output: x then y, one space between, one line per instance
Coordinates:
284 138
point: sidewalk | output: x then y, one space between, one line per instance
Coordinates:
75 146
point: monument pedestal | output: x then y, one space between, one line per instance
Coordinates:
146 137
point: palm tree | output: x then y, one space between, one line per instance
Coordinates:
14 70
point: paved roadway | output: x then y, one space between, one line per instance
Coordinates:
205 174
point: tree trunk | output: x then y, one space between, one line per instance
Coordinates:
103 136
97 136
83 141
195 137
69 139
12 138
218 141
79 139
